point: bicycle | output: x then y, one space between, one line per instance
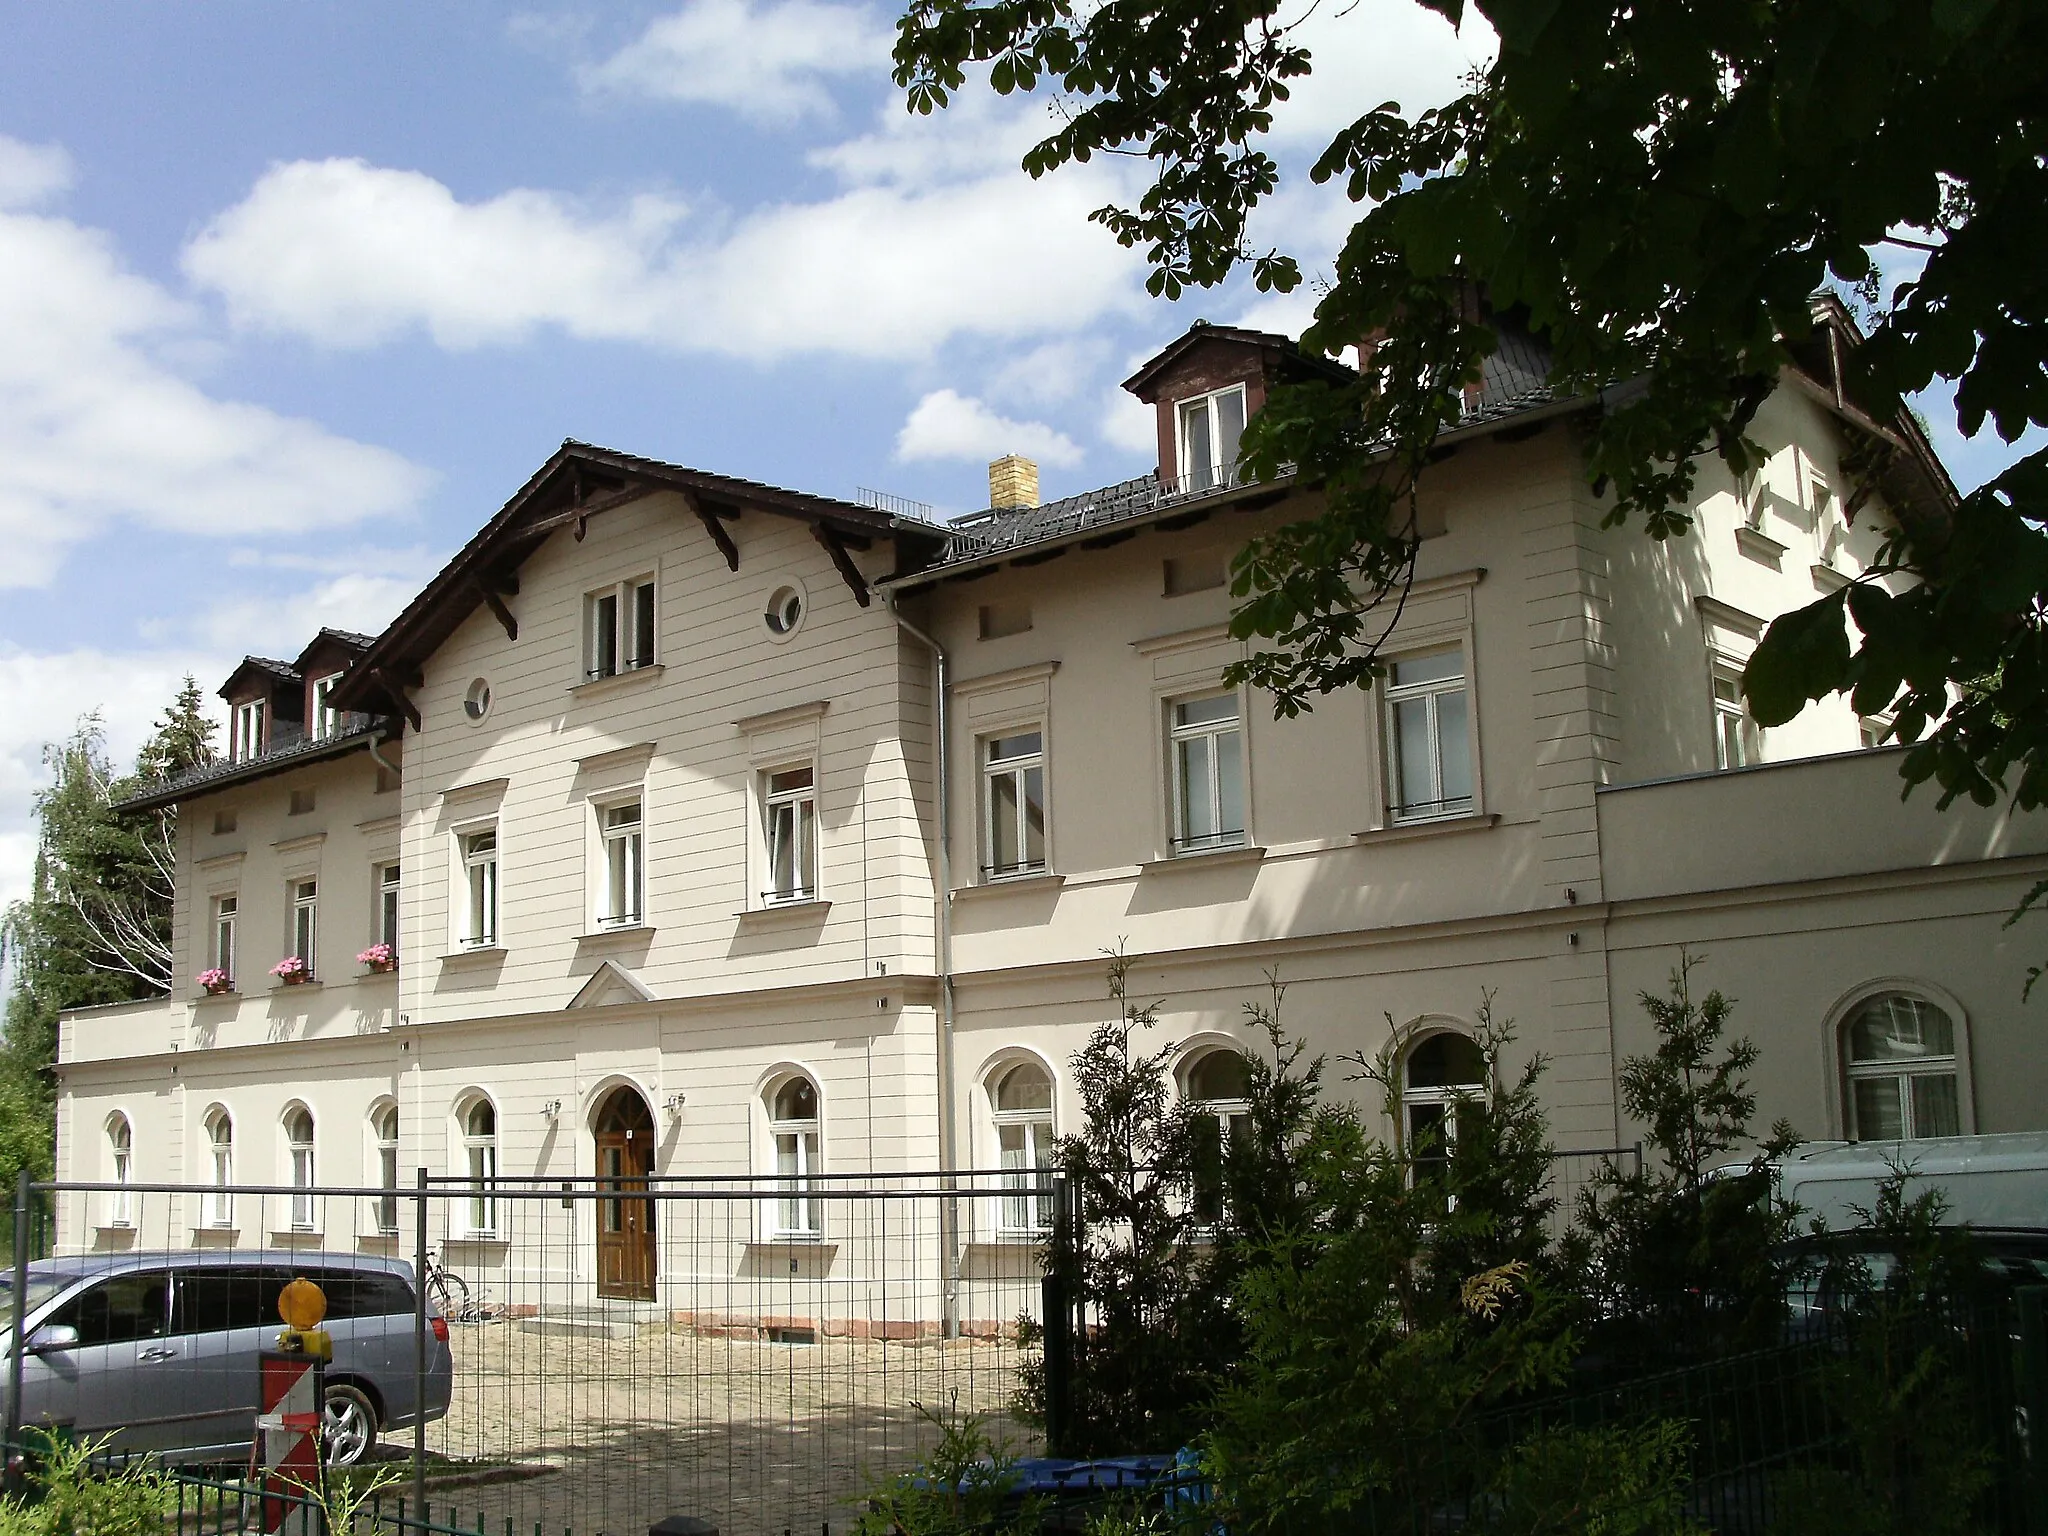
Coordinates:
448 1290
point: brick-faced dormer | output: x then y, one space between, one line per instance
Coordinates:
321 664
265 700
1205 386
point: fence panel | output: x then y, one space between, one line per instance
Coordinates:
747 1351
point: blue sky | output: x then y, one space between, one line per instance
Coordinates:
293 297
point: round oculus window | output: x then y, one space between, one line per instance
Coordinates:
477 702
785 610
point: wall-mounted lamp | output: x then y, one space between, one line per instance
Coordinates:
552 1109
673 1104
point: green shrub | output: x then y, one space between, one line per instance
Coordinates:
67 1496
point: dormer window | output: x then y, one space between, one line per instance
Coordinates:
1207 431
245 732
619 628
326 722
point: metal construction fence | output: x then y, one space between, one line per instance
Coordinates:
752 1352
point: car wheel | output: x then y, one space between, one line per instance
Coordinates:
351 1425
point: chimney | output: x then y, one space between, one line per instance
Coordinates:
1013 482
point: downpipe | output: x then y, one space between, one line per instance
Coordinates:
949 1161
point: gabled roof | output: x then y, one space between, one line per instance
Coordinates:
578 482
274 671
1288 355
338 639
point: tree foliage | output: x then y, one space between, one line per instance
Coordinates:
1674 1260
1655 188
96 925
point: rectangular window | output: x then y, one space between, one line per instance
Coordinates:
1207 743
1013 795
1208 430
624 865
480 878
326 722
224 910
619 625
1737 742
1429 736
789 806
245 732
387 906
306 922
796 1160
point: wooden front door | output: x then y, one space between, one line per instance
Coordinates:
625 1228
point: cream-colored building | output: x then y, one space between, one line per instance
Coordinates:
747 832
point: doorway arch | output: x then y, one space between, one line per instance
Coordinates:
626 1248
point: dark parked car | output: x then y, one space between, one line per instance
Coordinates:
159 1350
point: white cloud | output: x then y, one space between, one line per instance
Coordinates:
45 694
947 425
96 430
262 623
349 255
1129 423
766 61
1371 51
1049 374
31 174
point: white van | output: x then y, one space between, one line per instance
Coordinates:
1992 1182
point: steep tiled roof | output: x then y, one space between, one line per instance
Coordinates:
1513 382
293 752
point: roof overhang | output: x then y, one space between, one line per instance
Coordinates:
577 483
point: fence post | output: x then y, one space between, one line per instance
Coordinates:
419 1347
2033 1395
19 1322
1057 1305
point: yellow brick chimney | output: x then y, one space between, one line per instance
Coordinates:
1013 481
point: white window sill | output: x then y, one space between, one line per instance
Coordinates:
615 931
597 687
480 952
232 995
479 1240
294 986
790 911
1207 858
288 1237
795 1242
110 1230
1827 579
1012 885
1760 546
216 1234
1437 826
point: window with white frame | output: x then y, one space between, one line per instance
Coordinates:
479 853
1215 1084
1900 1055
480 1154
1013 804
621 903
1443 1080
619 628
384 1130
326 721
793 1132
1207 430
1020 1106
789 812
121 1160
1737 742
225 910
1873 731
1206 740
306 922
298 1141
220 1141
1429 736
387 905
245 732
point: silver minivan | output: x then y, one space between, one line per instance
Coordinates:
159 1350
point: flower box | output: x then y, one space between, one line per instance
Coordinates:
215 981
293 971
379 958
